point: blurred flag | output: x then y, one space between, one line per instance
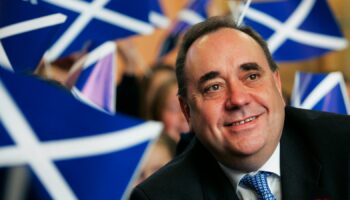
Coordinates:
324 92
296 29
193 13
92 22
95 78
156 16
74 151
26 31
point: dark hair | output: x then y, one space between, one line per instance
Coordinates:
208 26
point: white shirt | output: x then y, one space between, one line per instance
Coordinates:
274 182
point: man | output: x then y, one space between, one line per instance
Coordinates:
247 144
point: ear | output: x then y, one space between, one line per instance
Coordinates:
185 108
277 77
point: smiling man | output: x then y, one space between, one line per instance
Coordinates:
247 145
233 98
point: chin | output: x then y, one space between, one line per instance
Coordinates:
241 161
248 148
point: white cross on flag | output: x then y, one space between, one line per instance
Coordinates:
74 151
26 31
157 16
92 22
94 78
320 91
296 29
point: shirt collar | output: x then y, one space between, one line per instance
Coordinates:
271 165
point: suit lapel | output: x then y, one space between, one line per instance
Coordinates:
300 170
214 183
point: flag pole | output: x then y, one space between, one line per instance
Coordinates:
245 8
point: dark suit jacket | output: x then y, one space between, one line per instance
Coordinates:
315 164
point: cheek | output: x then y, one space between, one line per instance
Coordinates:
274 102
206 114
269 94
276 99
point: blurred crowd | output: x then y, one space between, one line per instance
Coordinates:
146 92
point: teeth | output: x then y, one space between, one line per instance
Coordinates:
244 121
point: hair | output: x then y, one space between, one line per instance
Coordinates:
160 99
147 84
208 26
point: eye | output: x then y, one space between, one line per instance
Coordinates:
253 77
212 88
215 87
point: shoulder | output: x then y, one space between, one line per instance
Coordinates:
179 178
322 130
310 117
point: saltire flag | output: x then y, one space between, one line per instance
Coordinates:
157 16
320 91
26 31
296 29
193 13
95 78
74 151
92 22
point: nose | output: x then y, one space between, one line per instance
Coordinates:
237 97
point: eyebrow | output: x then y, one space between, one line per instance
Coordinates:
250 66
208 76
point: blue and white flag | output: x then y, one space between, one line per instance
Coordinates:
318 91
157 16
193 13
95 84
74 151
26 31
92 22
296 29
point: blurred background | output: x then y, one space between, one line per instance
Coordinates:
130 80
148 46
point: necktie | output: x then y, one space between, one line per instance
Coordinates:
258 183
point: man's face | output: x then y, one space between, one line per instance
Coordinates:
234 102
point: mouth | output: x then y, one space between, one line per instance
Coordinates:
241 122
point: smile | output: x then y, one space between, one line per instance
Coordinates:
249 119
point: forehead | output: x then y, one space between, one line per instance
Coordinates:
223 34
224 47
224 40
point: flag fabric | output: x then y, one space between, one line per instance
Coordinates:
296 29
193 13
157 16
92 22
26 31
320 91
96 82
73 150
